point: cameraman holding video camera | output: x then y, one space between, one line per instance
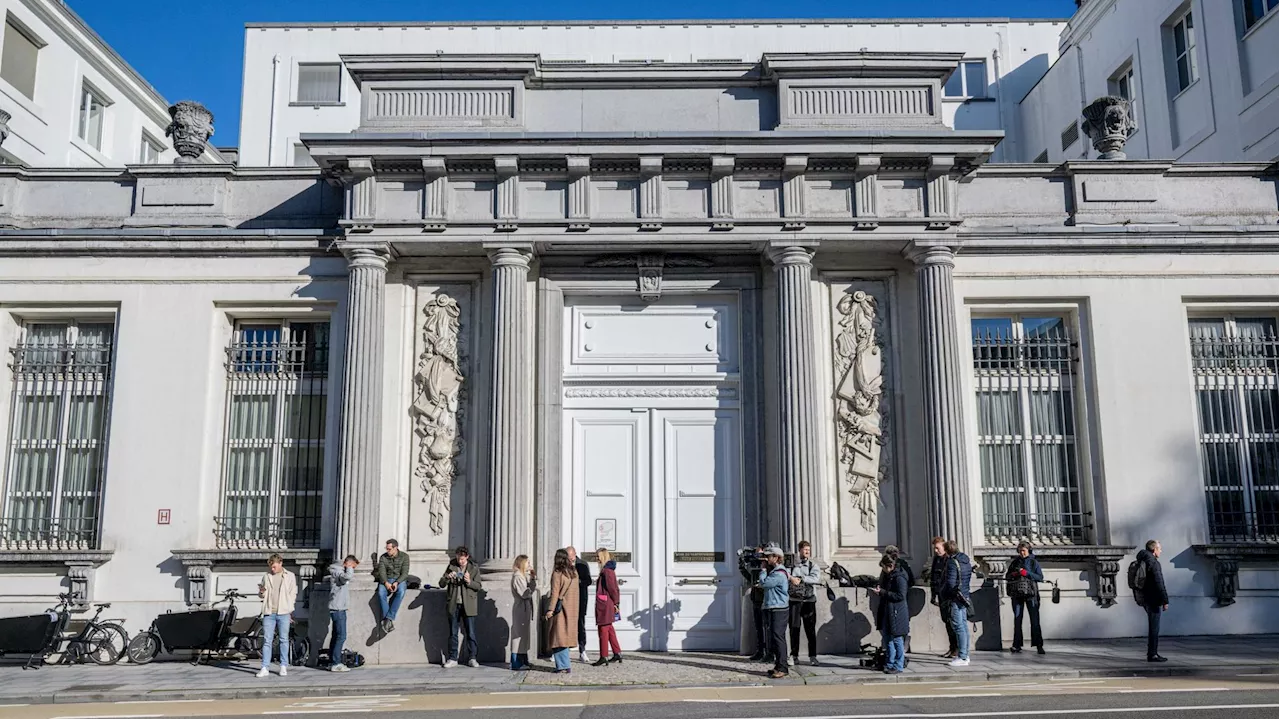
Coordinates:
750 561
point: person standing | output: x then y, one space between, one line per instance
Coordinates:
583 571
524 584
391 573
937 574
756 594
562 613
774 580
803 595
278 589
340 575
893 618
1023 579
607 598
955 591
461 580
1155 597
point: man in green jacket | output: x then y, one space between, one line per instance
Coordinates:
392 574
461 581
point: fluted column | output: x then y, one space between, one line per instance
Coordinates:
801 503
948 470
509 507
360 455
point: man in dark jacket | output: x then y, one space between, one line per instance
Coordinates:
955 590
937 573
1155 598
584 583
461 581
1023 580
893 617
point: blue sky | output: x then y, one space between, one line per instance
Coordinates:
194 50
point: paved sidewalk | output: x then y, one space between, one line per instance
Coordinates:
1188 656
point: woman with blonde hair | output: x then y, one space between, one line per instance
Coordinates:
607 598
523 587
562 612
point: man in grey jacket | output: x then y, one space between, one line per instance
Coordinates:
805 577
340 575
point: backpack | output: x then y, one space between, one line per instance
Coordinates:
1138 580
353 660
840 574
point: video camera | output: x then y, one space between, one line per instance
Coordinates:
750 562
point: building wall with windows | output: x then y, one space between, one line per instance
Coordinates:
1201 75
71 100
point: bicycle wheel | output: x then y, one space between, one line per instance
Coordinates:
299 649
108 644
143 648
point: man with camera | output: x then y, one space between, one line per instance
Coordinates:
750 561
774 580
461 581
805 577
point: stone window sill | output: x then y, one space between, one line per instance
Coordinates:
80 564
1104 560
1227 557
199 565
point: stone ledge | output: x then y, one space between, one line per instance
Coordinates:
80 564
1227 557
1104 558
199 564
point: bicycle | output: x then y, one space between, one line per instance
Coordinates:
209 632
43 635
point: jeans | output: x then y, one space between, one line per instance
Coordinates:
389 609
1032 608
945 610
1153 630
339 619
608 640
460 620
272 625
960 625
806 614
778 629
561 657
519 661
895 651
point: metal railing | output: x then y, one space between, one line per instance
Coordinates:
267 532
1040 529
44 534
1241 526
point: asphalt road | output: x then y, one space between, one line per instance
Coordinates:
1164 698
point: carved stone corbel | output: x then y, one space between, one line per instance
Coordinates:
1106 569
198 574
940 192
793 183
435 194
649 267
1226 572
361 190
579 201
651 192
866 197
722 192
861 427
996 568
438 407
80 581
507 210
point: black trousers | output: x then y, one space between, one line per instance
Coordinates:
1032 608
804 614
778 630
582 622
763 637
1153 630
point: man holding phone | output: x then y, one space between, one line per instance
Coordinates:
461 581
392 574
340 576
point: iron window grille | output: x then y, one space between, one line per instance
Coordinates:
1234 361
57 435
1025 372
273 466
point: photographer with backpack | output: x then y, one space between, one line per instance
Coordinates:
1146 579
1023 580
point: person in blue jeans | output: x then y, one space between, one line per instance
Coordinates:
955 591
278 589
340 576
893 618
392 574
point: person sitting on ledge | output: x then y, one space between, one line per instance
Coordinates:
392 574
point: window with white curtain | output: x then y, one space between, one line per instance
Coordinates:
57 435
273 466
1025 380
1234 360
92 111
1183 34
319 84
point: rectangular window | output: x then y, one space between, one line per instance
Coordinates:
273 466
969 80
1122 85
319 84
149 151
92 111
1025 371
1234 359
18 59
57 435
1255 10
1184 51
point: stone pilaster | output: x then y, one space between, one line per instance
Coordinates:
948 474
801 509
360 450
509 489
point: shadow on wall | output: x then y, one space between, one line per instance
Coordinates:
985 115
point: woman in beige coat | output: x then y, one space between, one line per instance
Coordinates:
523 587
562 613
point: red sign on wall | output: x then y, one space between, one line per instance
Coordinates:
162 516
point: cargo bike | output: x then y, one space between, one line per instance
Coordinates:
45 638
216 633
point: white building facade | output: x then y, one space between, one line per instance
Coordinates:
669 308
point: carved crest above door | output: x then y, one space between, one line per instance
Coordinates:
649 266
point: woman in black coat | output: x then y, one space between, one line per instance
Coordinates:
893 618
1024 577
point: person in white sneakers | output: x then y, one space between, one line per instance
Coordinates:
462 584
278 589
957 574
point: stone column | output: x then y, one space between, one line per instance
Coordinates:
507 531
802 501
360 455
948 470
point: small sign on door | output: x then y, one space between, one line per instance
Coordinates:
606 533
162 516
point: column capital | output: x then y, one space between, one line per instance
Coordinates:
509 255
924 255
374 255
782 254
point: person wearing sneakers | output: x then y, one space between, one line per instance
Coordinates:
278 589
392 574
461 581
893 618
957 574
340 575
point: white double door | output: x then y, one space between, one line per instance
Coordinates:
659 485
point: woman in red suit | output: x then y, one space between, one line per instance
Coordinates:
607 608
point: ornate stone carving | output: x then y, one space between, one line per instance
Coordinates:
1108 122
198 583
861 426
995 568
4 126
1107 570
80 583
438 407
1225 573
191 128
649 266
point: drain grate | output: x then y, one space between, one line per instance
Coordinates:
92 687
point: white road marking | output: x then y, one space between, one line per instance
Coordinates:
941 681
540 691
349 703
112 716
1039 712
531 706
164 701
734 701
317 711
944 696
1173 691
